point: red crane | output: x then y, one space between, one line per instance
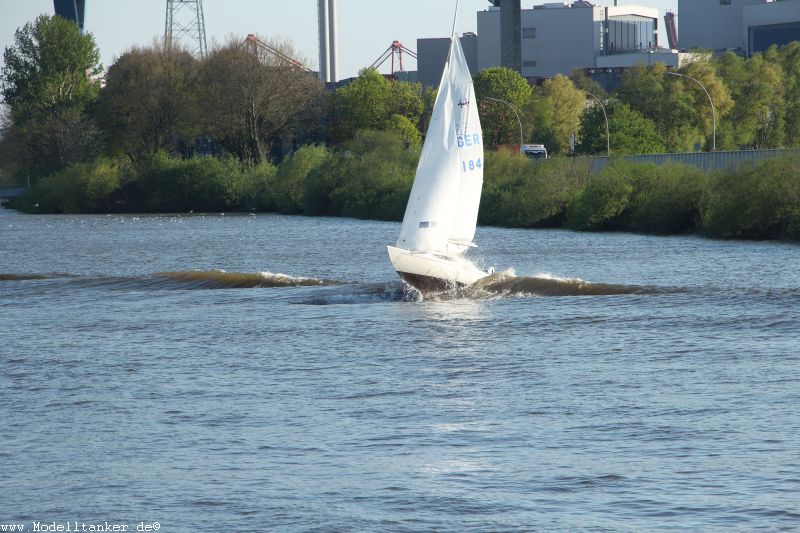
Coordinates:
254 44
395 50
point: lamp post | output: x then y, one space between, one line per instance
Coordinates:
713 111
514 109
608 136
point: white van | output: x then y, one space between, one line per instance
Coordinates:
534 151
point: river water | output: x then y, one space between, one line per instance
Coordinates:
271 373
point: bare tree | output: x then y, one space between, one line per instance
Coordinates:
250 98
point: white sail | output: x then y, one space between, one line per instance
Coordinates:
442 210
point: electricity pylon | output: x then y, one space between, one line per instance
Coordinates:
185 21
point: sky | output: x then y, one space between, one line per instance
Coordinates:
366 28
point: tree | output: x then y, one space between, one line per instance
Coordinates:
705 73
405 128
557 108
789 57
498 120
362 104
50 64
406 100
49 86
146 103
756 85
585 83
371 101
671 102
629 131
249 101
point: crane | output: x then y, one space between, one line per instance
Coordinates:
254 44
395 49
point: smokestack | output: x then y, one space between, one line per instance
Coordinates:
333 58
672 33
511 35
324 42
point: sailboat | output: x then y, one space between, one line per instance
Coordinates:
442 211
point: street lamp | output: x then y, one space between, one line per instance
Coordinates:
713 112
608 137
514 109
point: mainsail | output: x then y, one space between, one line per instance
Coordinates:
442 210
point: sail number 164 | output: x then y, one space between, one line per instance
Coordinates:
472 164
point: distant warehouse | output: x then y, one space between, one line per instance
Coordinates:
559 37
747 26
555 38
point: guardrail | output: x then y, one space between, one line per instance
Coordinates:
707 161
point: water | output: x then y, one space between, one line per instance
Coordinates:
304 389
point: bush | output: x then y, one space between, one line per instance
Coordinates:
761 202
287 193
254 186
373 178
505 174
521 193
601 204
667 199
81 188
161 183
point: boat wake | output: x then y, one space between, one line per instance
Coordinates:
504 284
507 283
397 291
218 279
181 280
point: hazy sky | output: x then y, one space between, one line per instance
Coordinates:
365 27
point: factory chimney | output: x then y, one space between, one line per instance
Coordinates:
510 34
328 60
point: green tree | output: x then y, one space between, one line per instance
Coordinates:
663 100
146 103
585 83
49 85
557 109
629 131
789 57
370 101
49 65
409 133
406 100
756 119
362 104
499 122
705 73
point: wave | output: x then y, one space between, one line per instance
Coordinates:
507 283
397 291
219 279
497 285
184 279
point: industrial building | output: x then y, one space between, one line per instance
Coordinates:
558 37
746 26
432 55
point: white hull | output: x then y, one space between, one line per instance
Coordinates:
428 271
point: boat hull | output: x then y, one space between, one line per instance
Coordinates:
429 272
